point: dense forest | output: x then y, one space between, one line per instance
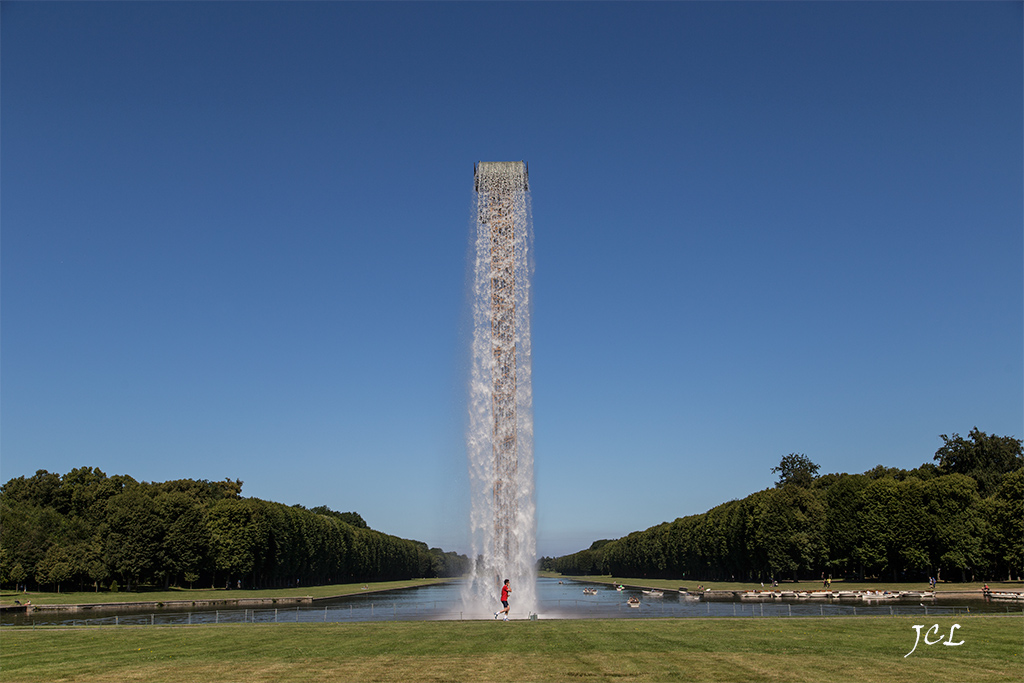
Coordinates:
87 529
959 518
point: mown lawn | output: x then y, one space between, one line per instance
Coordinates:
739 649
91 597
838 585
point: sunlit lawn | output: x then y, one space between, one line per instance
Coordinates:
837 585
90 597
738 649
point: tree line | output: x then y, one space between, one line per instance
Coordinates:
87 529
960 519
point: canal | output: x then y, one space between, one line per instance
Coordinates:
558 599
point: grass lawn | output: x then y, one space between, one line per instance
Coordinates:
91 597
837 585
738 649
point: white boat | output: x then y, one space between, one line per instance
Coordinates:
633 602
654 593
1006 595
590 591
867 596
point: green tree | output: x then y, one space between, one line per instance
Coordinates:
17 574
187 544
796 469
56 568
86 489
202 490
913 525
40 490
959 528
878 549
28 530
5 565
134 529
1007 537
983 457
789 530
93 562
736 533
842 501
234 539
352 518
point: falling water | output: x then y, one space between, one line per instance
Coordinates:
499 437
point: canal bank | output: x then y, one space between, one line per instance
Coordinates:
793 592
225 603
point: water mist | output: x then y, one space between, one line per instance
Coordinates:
499 437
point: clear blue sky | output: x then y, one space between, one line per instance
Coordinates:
234 244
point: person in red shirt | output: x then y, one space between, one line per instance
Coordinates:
505 590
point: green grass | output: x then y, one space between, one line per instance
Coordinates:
739 649
90 597
837 585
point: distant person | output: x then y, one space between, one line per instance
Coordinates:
505 590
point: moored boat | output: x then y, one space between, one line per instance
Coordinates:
1006 595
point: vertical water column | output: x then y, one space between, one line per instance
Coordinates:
500 432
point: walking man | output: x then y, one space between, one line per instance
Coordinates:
505 590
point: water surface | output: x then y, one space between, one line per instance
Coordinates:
556 599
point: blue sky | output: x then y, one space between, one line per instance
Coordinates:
235 235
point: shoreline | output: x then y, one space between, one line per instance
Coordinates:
830 595
244 602
727 595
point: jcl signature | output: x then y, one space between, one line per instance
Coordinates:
935 628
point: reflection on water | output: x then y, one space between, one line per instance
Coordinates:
557 599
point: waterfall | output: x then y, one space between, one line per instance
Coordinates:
499 436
